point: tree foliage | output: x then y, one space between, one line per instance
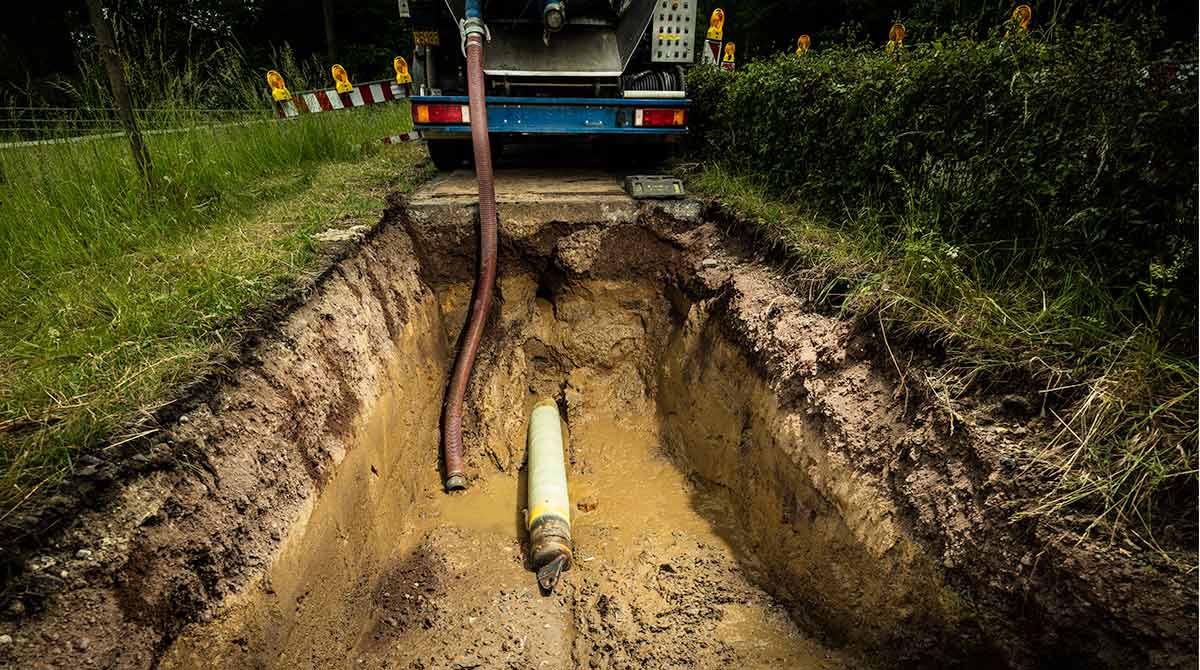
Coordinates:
42 54
40 47
763 28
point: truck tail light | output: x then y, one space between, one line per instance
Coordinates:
441 114
659 118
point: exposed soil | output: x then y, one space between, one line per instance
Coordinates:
753 489
656 584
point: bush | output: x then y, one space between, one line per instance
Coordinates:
1076 156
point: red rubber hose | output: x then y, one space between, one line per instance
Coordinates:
485 282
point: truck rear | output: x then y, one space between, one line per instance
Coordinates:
609 70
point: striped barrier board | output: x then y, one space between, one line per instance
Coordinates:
327 100
410 136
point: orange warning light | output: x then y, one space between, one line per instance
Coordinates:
802 44
341 80
729 50
401 66
716 24
1023 14
895 38
279 92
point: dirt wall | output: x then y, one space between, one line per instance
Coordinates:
121 582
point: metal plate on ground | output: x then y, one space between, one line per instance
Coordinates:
527 198
653 186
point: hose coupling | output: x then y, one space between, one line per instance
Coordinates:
554 16
472 26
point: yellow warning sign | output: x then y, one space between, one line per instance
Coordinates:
895 37
401 66
341 80
716 24
1023 15
279 92
427 38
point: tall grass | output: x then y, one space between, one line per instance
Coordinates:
1120 396
64 203
117 291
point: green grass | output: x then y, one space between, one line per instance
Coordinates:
116 293
1120 395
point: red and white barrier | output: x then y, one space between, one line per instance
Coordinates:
410 136
328 100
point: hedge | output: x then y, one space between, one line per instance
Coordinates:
1072 157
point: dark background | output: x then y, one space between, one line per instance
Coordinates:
41 44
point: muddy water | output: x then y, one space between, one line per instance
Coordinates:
638 521
644 508
656 584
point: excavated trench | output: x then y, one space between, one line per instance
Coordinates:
702 520
683 474
391 572
712 527
750 489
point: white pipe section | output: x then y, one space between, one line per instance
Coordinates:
548 517
547 471
654 94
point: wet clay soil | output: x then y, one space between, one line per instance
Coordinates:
661 578
656 585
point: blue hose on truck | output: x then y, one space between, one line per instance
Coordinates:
485 282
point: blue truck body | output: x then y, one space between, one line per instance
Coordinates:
554 116
612 70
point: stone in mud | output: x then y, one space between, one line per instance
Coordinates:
577 251
1016 405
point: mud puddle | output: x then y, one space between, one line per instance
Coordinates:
657 583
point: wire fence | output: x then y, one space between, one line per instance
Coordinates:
37 124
